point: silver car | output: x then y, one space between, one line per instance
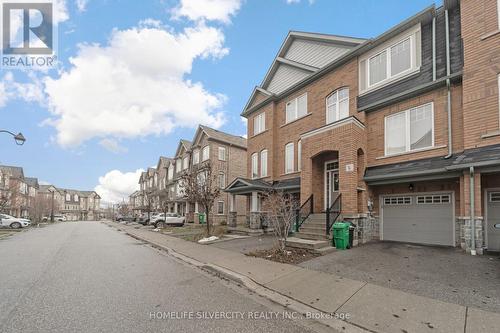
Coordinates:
160 220
13 222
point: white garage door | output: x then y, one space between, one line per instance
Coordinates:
418 218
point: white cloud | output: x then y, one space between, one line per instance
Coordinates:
12 89
81 5
43 182
115 185
292 2
135 86
3 94
211 10
113 146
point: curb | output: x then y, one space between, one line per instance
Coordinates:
242 280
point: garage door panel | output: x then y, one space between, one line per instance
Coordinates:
493 219
425 223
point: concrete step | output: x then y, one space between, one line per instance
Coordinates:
313 236
309 244
307 228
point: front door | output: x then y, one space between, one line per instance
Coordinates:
331 182
493 223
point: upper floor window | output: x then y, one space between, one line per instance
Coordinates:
156 179
75 197
222 153
299 155
289 158
196 156
410 130
396 59
337 105
178 165
68 197
171 172
220 207
205 153
185 162
296 108
222 180
255 165
259 123
263 163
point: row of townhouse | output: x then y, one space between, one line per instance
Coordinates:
22 196
160 188
399 134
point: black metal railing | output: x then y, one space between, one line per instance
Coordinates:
303 212
333 212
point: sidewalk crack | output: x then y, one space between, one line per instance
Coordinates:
347 300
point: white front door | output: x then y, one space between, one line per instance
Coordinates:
331 182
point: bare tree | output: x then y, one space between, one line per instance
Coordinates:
123 209
9 196
281 212
148 202
201 185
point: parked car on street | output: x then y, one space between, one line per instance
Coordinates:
13 222
160 220
125 218
57 218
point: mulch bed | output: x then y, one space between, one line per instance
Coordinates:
290 256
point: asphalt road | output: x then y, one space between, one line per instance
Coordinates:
87 277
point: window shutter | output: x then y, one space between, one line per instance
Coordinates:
362 75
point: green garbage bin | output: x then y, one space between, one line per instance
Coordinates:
341 235
201 218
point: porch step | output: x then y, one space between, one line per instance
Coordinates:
309 244
313 229
310 236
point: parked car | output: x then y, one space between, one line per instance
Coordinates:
143 219
13 222
161 220
57 218
125 218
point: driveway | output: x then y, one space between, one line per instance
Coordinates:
445 274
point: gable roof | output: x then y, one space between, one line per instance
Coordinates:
217 135
151 172
14 171
142 177
31 181
163 160
362 47
186 144
47 188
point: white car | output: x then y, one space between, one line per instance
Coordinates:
159 221
57 218
13 222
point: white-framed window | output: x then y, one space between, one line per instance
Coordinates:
220 207
433 199
171 172
494 197
205 153
185 162
263 163
222 153
296 108
299 155
255 165
393 60
196 156
178 165
337 105
289 158
409 130
156 179
259 123
68 197
222 180
391 201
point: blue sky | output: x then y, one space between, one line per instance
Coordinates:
137 58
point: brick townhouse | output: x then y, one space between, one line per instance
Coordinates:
226 152
399 134
17 192
79 205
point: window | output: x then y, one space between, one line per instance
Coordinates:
255 165
196 156
397 201
220 207
299 155
433 199
399 58
289 159
205 153
410 130
337 105
495 197
222 180
222 153
68 197
185 162
263 163
171 172
296 108
178 165
259 123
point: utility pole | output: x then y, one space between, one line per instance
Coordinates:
52 208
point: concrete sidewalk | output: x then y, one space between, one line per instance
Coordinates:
370 307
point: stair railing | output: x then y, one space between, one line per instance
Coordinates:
302 213
333 212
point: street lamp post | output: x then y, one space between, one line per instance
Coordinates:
19 138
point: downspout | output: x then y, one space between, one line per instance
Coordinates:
448 83
472 217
